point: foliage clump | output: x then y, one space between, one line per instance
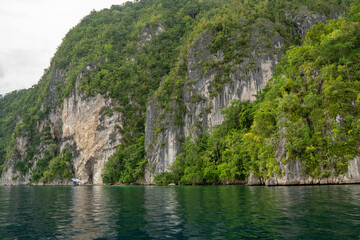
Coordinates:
218 157
53 166
313 103
127 165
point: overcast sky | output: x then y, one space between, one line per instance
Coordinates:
30 32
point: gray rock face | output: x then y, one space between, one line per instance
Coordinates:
8 178
79 124
304 20
243 83
293 175
149 32
250 76
92 135
163 149
293 171
254 180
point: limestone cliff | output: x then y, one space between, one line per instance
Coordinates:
79 123
91 133
9 178
293 172
203 103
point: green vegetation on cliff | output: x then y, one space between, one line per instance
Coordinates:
308 111
217 157
312 103
20 112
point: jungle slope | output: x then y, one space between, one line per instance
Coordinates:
146 64
303 127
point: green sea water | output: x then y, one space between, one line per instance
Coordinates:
180 212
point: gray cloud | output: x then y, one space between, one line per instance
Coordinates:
21 68
2 73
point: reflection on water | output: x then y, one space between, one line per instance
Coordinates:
87 213
161 216
211 212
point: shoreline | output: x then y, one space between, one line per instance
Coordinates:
318 183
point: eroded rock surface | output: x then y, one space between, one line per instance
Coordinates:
81 125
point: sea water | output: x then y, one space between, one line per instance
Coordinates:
180 212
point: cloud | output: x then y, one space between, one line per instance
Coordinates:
2 73
22 68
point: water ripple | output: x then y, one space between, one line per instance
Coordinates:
211 212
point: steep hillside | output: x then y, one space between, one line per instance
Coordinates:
308 122
93 96
169 65
303 127
231 57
